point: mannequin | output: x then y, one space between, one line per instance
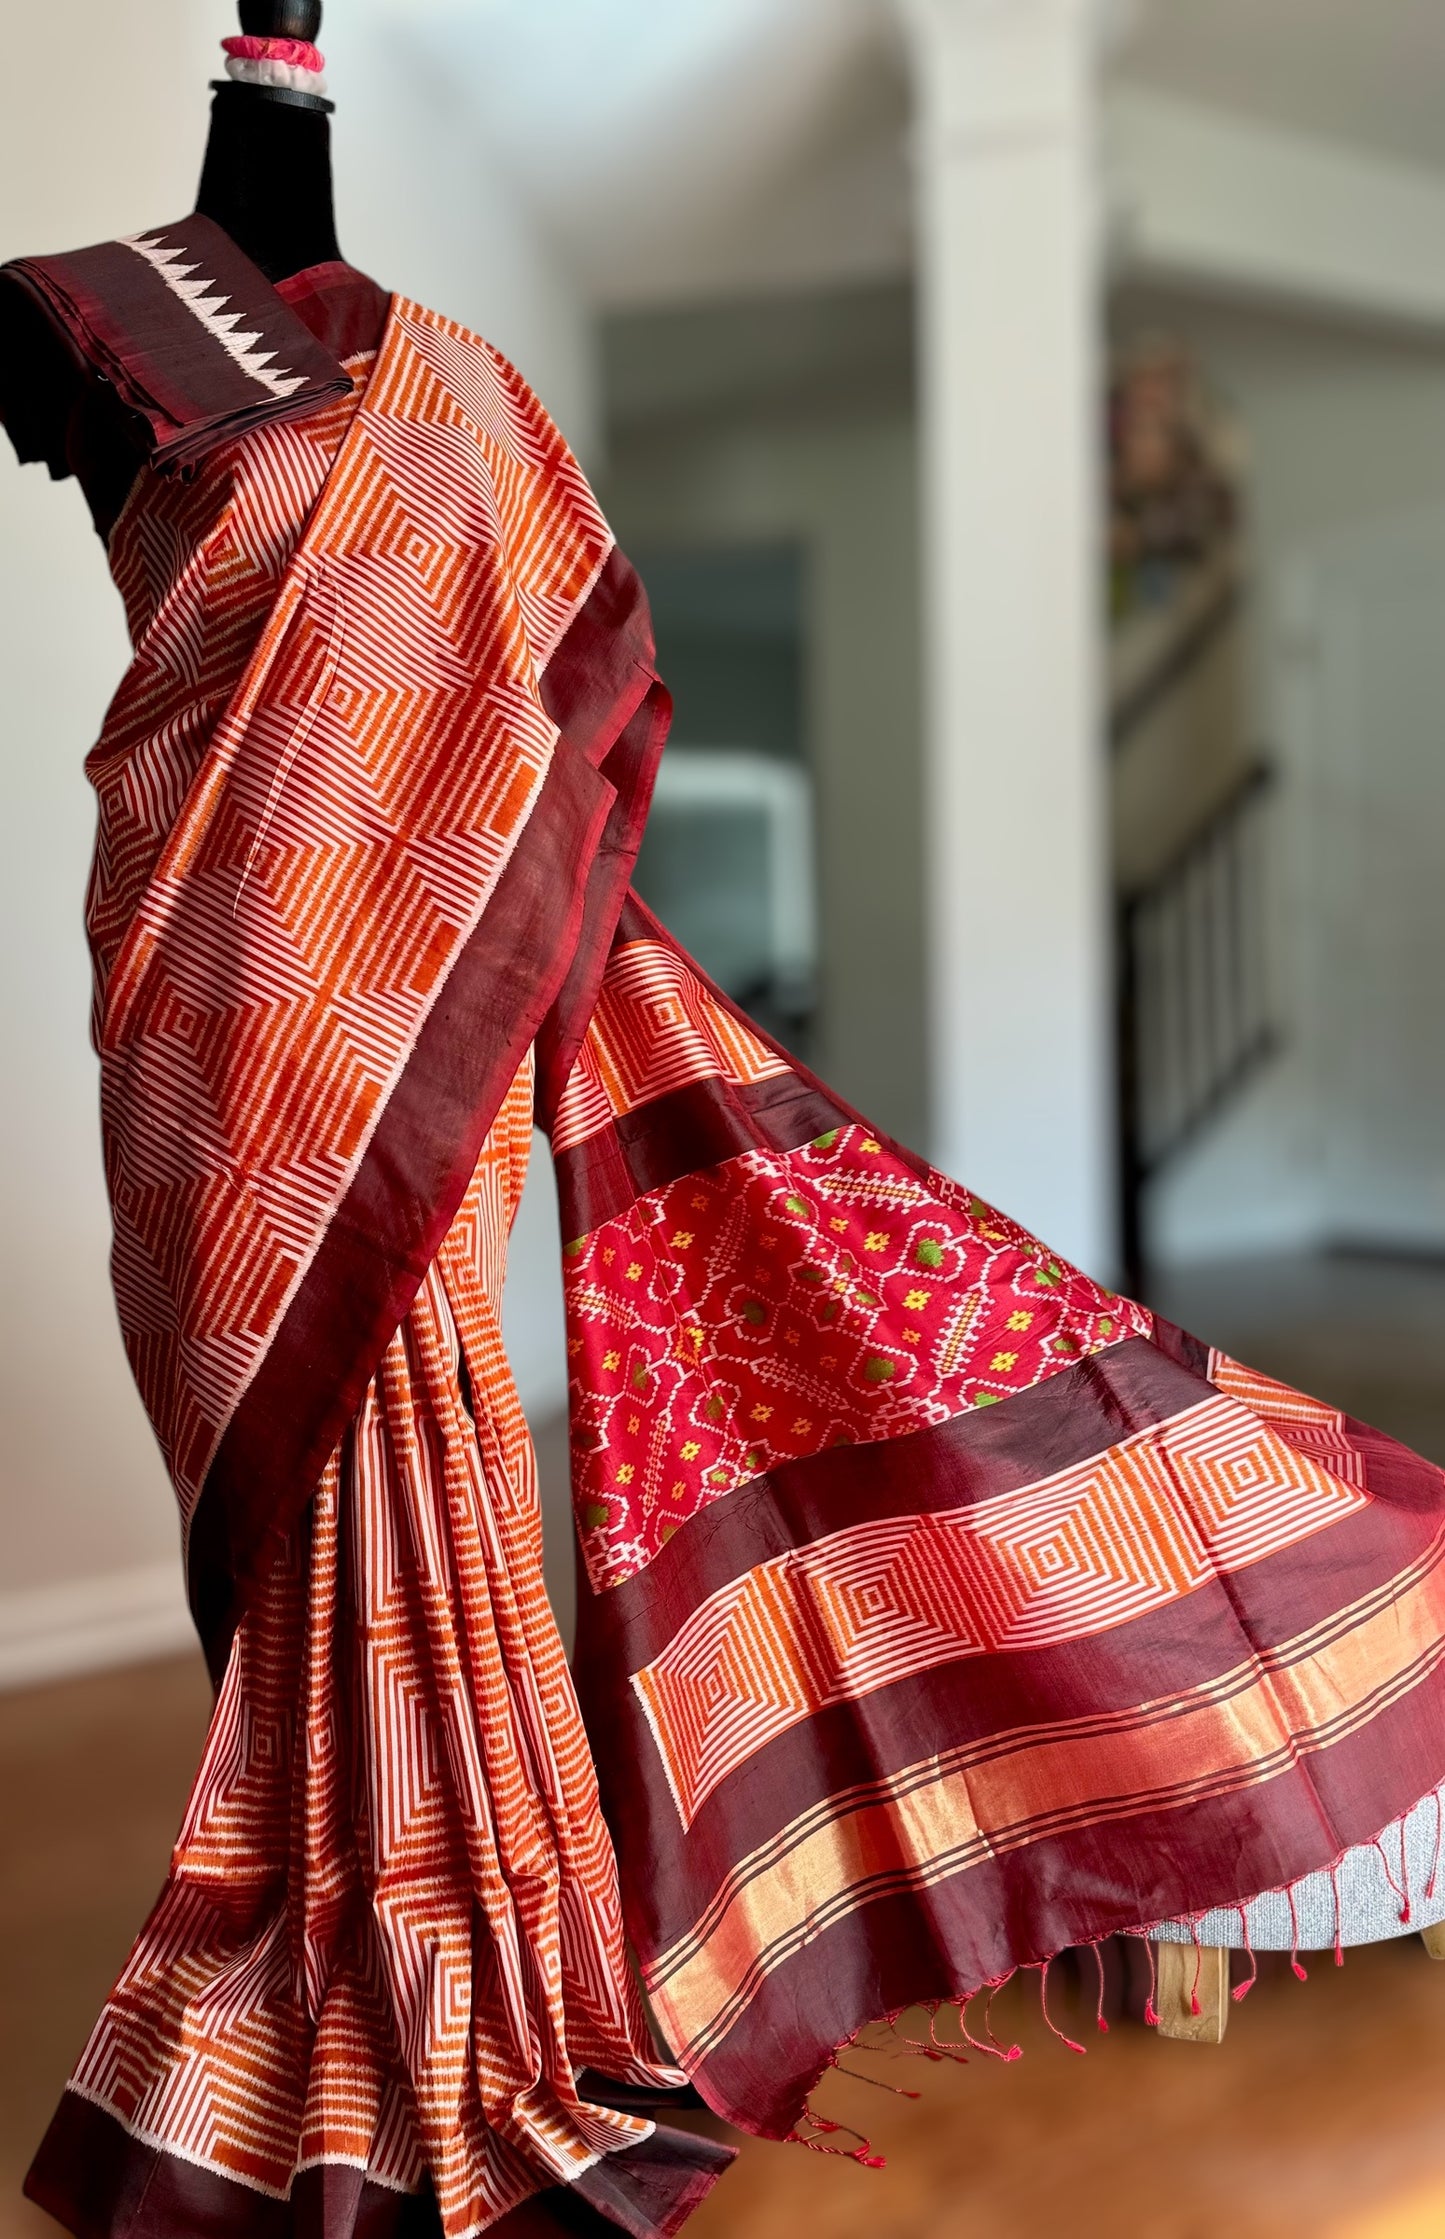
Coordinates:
266 183
923 1594
266 180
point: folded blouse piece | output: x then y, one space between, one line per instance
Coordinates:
939 1609
195 343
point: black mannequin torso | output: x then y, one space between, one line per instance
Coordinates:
266 180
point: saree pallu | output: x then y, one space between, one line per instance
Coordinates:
940 1609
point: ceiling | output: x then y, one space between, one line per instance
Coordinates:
1371 72
684 150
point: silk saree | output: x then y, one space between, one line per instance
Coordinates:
939 1610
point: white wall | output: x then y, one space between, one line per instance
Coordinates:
1346 436
844 489
85 1513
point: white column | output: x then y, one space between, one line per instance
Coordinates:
1008 200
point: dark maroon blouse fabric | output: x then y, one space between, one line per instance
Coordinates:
61 412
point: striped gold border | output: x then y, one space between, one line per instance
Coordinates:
937 1818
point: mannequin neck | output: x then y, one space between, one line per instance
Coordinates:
266 180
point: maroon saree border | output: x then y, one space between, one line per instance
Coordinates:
975 1455
976 1927
1132 1677
100 2182
686 1131
671 1874
404 1195
879 1949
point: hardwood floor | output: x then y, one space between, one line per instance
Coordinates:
93 1775
1321 2116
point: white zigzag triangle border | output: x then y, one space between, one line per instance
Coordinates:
204 303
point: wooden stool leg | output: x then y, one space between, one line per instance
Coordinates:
1190 1973
1434 1940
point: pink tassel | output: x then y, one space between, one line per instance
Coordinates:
1242 1990
1151 2011
1044 2003
1339 1917
1300 1974
1099 2012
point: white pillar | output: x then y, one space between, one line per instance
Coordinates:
1008 200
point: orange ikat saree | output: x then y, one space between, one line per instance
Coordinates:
939 1610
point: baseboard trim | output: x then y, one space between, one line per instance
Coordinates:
93 1624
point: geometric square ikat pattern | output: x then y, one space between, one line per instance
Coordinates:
309 785
1150 1521
784 1302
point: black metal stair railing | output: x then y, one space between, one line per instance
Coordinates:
1194 1018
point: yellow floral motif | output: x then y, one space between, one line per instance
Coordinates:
626 1474
1003 1362
682 1239
691 1450
634 1271
1021 1321
574 1346
911 1336
876 1240
609 1254
634 1424
829 1360
838 1224
698 1203
916 1301
802 1426
870 1143
791 1337
762 1414
612 1360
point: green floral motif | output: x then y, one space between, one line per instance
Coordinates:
755 1312
879 1371
800 1206
596 1514
929 1252
826 1142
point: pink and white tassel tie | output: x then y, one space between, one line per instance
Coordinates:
292 64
